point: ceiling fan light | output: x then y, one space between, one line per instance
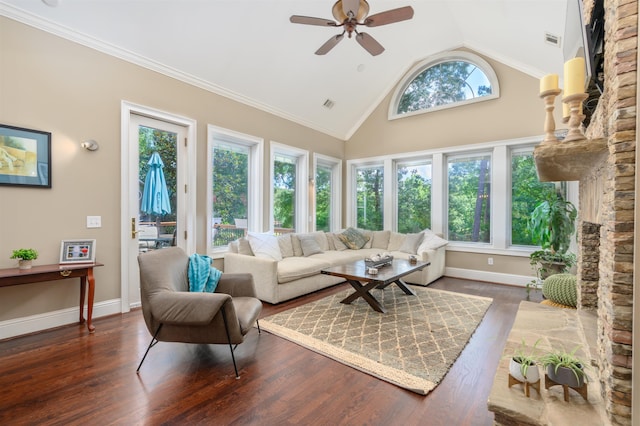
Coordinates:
338 13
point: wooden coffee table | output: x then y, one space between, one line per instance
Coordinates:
355 273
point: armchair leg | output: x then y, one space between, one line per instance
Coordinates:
151 344
226 328
258 325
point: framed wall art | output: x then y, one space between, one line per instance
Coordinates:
25 157
78 251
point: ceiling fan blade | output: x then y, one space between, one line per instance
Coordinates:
370 44
330 44
389 17
307 20
350 6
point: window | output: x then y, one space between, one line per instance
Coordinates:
413 196
234 200
469 190
444 81
370 197
526 193
327 185
289 194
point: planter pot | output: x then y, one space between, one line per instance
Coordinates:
565 376
24 264
551 268
533 375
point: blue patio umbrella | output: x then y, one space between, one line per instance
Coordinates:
155 197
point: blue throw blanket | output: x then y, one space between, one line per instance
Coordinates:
202 276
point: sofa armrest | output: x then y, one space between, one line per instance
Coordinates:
264 271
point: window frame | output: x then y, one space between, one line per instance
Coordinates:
404 162
336 190
301 156
255 209
500 192
432 61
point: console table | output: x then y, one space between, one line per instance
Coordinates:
40 273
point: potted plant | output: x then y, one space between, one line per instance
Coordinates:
564 368
523 364
552 223
25 256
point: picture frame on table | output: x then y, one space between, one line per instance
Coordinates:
77 251
25 157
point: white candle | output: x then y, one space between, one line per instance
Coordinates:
574 76
549 82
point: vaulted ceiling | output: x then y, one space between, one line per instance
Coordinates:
249 51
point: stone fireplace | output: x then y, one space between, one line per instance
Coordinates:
605 165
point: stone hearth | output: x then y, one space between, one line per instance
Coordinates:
558 328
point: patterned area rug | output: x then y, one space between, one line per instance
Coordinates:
413 345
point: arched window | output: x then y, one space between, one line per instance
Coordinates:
443 81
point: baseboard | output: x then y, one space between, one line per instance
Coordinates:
494 277
39 322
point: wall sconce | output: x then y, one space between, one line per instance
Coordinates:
90 145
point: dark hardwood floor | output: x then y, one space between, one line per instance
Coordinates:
66 376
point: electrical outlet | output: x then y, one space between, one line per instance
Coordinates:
490 260
94 221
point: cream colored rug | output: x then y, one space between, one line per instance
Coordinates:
413 345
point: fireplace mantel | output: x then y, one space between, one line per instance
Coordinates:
567 161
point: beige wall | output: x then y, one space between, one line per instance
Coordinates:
51 84
518 113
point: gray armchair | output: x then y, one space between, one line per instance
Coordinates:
173 314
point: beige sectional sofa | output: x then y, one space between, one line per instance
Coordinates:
289 265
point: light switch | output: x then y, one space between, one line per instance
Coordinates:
94 221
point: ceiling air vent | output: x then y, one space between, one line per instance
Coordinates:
328 104
552 39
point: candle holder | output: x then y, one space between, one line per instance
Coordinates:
549 97
575 116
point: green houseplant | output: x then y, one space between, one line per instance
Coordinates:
552 223
25 257
523 363
564 367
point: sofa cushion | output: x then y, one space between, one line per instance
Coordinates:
309 245
380 239
353 239
286 246
395 241
293 268
244 247
411 243
430 241
367 234
265 245
337 244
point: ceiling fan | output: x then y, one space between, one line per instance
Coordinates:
351 13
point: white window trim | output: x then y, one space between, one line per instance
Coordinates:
302 218
435 60
336 190
255 211
500 191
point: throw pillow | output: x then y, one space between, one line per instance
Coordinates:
410 243
264 245
286 247
244 247
309 245
337 243
353 239
380 239
431 241
395 241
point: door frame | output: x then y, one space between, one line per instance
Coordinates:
127 109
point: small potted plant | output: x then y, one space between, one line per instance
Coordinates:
564 368
523 364
25 256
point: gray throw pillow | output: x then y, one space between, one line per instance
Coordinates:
309 245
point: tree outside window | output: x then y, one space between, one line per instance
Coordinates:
469 189
369 197
323 186
284 192
526 193
414 197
